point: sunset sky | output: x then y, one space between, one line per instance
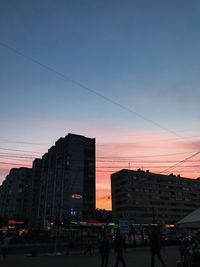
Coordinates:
126 72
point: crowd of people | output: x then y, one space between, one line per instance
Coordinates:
190 252
119 246
189 249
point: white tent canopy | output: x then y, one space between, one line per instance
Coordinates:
191 220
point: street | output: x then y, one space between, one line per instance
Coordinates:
134 257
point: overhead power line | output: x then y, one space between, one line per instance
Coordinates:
66 77
145 156
101 157
6 155
13 163
181 162
114 170
142 161
103 167
28 158
19 150
20 142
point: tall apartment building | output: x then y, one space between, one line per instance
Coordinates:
59 186
34 189
144 197
67 185
14 195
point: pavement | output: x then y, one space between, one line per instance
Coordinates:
134 257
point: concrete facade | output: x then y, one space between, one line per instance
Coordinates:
143 197
67 189
14 194
59 187
34 190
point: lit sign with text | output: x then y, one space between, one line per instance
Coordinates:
76 196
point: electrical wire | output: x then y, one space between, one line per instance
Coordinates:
19 150
108 167
106 157
66 77
106 160
181 162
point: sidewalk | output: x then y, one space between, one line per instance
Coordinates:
139 257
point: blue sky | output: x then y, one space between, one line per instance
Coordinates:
143 55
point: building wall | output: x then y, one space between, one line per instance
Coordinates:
34 189
144 197
59 186
67 190
15 195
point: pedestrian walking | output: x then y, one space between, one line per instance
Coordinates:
89 248
104 248
119 246
155 246
5 245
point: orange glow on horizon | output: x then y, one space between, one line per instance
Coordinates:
171 153
130 150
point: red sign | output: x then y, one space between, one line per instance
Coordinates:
15 222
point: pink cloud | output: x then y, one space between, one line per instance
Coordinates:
120 149
194 145
113 141
4 171
7 165
103 199
102 186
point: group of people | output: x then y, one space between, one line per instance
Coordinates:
190 252
119 247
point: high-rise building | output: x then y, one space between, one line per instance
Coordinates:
143 197
67 185
14 195
34 189
59 186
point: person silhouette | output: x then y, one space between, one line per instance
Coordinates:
104 249
5 245
89 248
119 246
155 246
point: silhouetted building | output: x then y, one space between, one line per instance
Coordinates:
145 197
14 195
34 191
58 187
67 189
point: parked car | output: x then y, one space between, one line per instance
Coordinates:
170 239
